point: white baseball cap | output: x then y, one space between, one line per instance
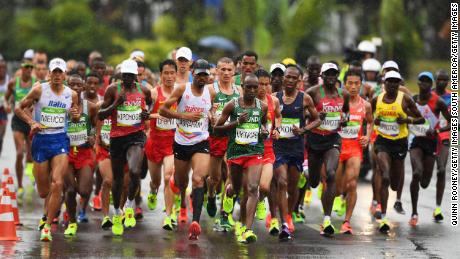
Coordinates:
392 74
128 66
137 53
277 66
390 64
184 52
326 66
29 54
367 46
57 63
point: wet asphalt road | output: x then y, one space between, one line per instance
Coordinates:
148 239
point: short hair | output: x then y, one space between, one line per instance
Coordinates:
355 63
169 62
313 60
250 76
250 53
92 74
262 73
296 67
441 72
75 75
225 60
352 73
98 60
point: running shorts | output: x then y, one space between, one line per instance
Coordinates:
102 153
322 143
119 145
290 160
218 146
246 161
47 146
158 148
351 148
19 125
80 157
185 153
397 149
269 155
428 146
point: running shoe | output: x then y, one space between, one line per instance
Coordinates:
413 220
231 221
97 202
297 218
302 181
41 223
106 223
398 207
45 234
228 204
274 227
384 226
194 230
183 215
82 218
117 227
55 221
337 204
285 234
290 223
327 229
302 213
152 201
268 220
249 236
177 202
65 218
211 206
437 215
130 220
138 214
261 212
30 172
320 191
346 228
239 230
71 229
173 186
174 217
308 197
20 196
167 223
378 212
224 223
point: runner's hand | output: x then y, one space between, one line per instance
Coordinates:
363 141
35 127
377 121
192 116
296 130
322 116
430 133
344 120
401 120
145 115
7 107
121 98
275 134
263 132
74 113
243 118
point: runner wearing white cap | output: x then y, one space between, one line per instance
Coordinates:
276 80
53 102
184 61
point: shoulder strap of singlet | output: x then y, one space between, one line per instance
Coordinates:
18 82
399 98
235 89
258 105
216 86
85 106
138 87
237 102
33 80
433 100
380 97
279 95
339 90
321 91
119 87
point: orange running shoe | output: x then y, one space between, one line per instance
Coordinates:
194 231
413 220
346 228
97 203
183 215
290 223
268 219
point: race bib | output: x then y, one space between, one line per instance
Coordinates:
105 132
331 122
166 124
53 117
128 115
77 133
388 126
287 126
191 127
419 130
351 130
247 134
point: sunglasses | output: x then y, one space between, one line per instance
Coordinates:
27 66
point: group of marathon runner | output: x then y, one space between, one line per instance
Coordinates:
239 133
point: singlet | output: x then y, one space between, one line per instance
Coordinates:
428 112
292 114
162 127
78 132
3 89
21 92
244 139
388 113
221 100
52 110
105 131
192 132
126 118
353 130
332 106
446 97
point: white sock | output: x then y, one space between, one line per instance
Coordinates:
438 205
327 218
117 211
384 216
130 203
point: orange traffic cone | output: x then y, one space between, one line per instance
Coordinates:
14 201
7 227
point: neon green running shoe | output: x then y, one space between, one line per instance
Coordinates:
320 191
297 218
117 227
177 202
20 196
228 204
42 223
327 229
45 234
30 172
71 229
231 221
238 230
437 215
261 213
152 201
384 226
167 224
274 227
337 204
302 181
106 223
130 220
249 236
343 208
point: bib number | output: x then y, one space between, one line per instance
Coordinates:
105 132
287 125
52 117
166 124
128 115
331 122
351 131
247 134
419 130
389 127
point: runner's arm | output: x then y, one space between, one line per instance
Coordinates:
277 122
221 126
369 126
315 121
166 111
9 95
32 97
154 95
74 111
109 103
443 109
411 110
